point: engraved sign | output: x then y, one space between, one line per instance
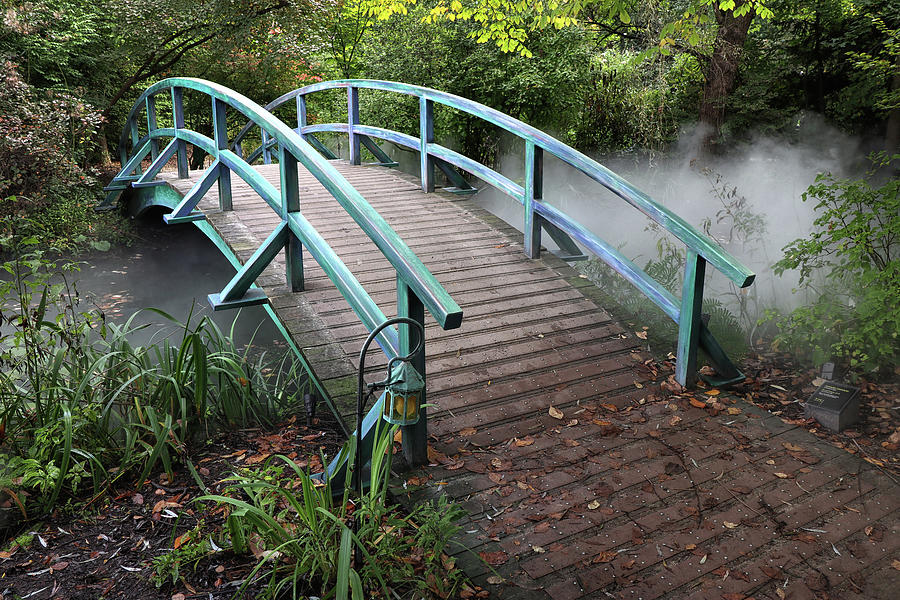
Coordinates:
835 405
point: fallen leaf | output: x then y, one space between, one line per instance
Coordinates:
733 596
675 420
398 436
495 477
712 392
178 596
571 443
610 407
525 441
467 431
164 504
791 447
733 410
641 334
494 558
783 475
697 403
137 499
555 412
59 566
605 557
780 593
538 550
593 505
495 580
896 564
771 572
729 524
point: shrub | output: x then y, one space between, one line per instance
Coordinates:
851 265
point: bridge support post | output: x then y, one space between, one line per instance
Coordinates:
415 437
178 118
690 323
426 136
352 122
290 203
220 132
534 190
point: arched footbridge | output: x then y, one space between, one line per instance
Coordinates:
333 248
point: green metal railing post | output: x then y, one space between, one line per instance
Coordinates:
150 106
534 190
689 321
301 115
290 203
415 437
266 149
352 122
220 134
135 138
178 119
426 136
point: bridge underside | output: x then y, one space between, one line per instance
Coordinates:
532 336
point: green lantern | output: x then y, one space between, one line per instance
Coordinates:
403 394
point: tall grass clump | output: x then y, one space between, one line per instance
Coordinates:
301 529
81 406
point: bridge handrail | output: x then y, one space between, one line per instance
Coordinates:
686 311
408 266
677 226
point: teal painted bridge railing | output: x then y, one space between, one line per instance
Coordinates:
143 136
693 333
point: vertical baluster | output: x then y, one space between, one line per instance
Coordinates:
178 118
220 133
534 190
352 122
301 115
426 136
266 150
290 203
415 437
150 105
689 320
135 136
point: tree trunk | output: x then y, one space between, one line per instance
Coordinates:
722 71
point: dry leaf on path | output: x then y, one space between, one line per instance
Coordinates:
555 412
468 431
494 558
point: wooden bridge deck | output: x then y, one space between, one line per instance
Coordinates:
621 497
530 336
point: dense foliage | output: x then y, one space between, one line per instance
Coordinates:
850 268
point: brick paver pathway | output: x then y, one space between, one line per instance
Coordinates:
663 500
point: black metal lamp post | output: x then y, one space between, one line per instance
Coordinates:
402 393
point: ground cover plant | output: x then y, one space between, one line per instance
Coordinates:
81 407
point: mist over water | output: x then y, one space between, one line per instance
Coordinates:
171 268
770 173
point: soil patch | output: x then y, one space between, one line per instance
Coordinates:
107 549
